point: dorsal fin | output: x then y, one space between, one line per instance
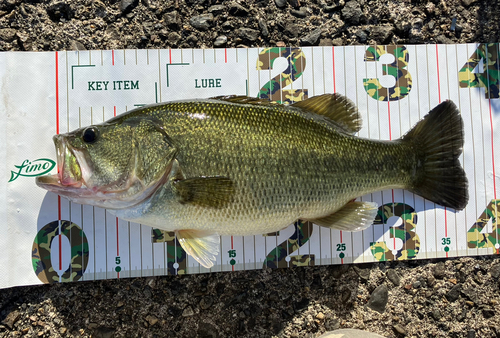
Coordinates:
335 107
245 100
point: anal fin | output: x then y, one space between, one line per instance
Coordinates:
202 245
354 216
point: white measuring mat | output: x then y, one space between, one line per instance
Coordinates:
46 239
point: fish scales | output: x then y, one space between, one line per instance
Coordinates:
286 164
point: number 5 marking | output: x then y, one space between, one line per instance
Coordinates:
396 69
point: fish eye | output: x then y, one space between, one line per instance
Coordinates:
90 135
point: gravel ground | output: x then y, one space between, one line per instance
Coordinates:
453 298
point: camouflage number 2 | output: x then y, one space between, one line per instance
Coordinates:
41 252
273 90
396 69
276 258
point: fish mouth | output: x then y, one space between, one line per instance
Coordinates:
74 181
69 178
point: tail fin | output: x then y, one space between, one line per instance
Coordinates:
437 140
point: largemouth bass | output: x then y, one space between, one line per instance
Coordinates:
243 166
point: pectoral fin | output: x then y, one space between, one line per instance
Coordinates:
201 245
354 216
214 192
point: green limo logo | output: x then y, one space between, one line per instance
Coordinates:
32 168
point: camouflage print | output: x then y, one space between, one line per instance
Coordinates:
476 239
174 250
273 90
41 252
405 232
396 69
490 76
277 257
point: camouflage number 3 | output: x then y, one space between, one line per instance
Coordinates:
41 252
273 90
396 69
405 232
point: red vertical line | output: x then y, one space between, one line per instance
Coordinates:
439 97
113 56
117 233
333 66
225 61
341 260
225 55
57 132
170 55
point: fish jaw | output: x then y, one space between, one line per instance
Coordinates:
74 181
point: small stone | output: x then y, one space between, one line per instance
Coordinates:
393 277
488 312
263 27
127 5
495 271
11 319
301 13
453 281
294 3
202 22
152 320
378 299
216 9
471 334
63 330
454 293
352 13
431 280
76 45
363 273
280 3
188 312
237 9
337 42
468 2
332 324
443 40
291 30
206 302
173 38
362 36
382 34
172 20
439 270
436 314
468 302
399 329
220 41
93 326
320 316
416 284
120 304
248 34
7 34
325 42
312 38
104 332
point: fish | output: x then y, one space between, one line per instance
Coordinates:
236 165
